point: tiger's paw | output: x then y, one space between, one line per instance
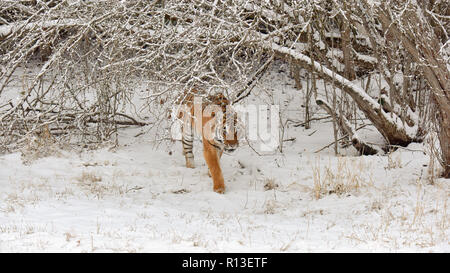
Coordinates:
190 163
220 190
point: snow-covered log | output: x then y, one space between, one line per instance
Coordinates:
361 146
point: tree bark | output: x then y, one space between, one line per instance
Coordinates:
346 46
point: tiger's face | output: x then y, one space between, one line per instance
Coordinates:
226 125
227 136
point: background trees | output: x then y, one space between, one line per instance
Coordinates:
81 62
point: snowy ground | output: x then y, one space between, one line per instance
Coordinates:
139 198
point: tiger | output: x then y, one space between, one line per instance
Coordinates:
218 133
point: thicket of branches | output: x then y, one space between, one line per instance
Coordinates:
87 58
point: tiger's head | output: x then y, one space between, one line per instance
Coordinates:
225 125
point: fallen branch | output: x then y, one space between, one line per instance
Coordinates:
300 123
342 138
131 122
362 147
323 148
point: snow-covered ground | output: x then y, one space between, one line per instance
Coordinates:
139 197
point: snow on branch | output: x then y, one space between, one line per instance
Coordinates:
391 126
6 30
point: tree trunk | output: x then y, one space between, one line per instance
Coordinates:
346 47
444 139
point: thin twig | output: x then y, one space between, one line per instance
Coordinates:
345 136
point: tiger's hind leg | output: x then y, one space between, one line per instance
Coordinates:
188 144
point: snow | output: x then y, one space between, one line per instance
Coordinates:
139 197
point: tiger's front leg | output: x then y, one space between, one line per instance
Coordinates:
212 160
188 144
219 152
